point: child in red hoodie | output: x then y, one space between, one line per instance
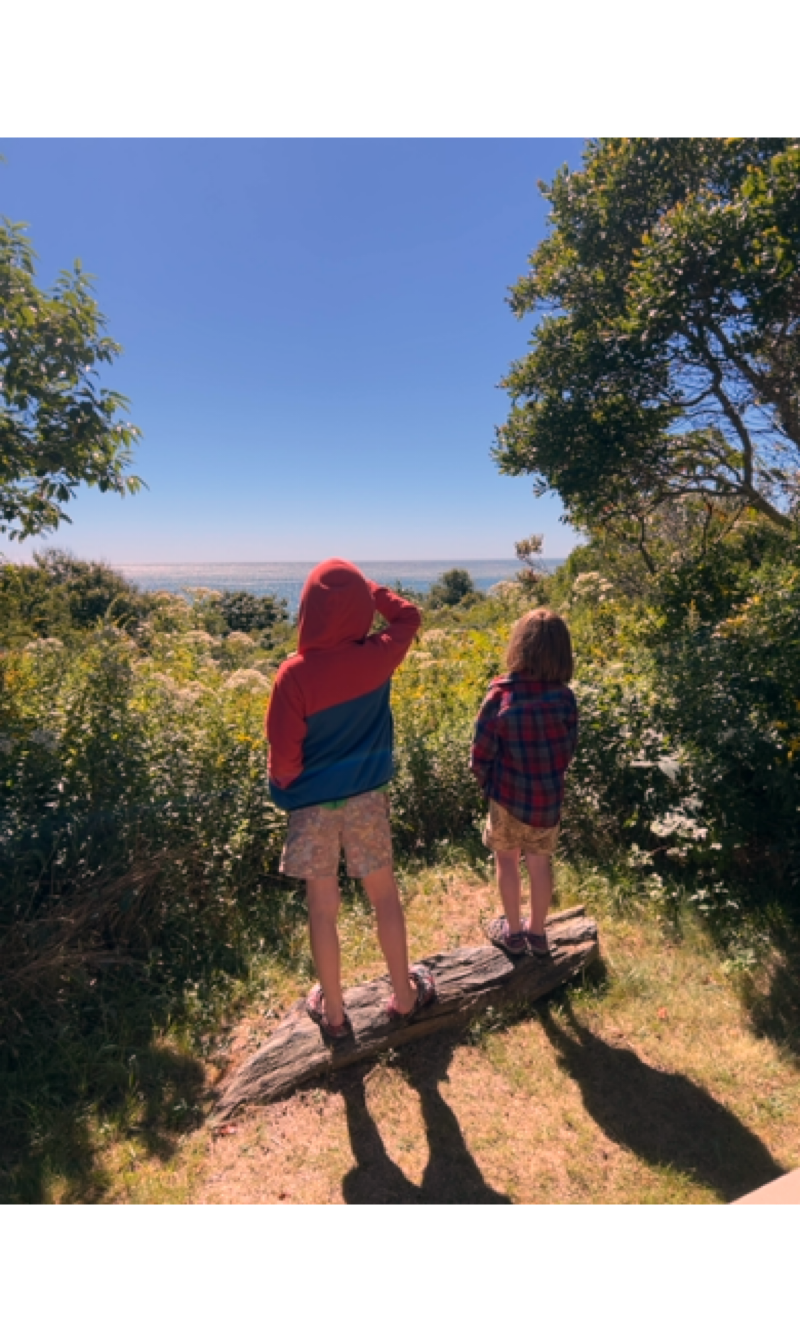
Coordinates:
329 727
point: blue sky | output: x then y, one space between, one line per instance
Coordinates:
313 332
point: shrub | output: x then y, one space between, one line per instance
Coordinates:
115 762
244 612
58 596
453 588
132 771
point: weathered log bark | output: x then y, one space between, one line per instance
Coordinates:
468 980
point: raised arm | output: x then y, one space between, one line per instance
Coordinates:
404 619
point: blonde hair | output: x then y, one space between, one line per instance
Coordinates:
540 646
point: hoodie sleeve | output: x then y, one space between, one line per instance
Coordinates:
392 644
285 728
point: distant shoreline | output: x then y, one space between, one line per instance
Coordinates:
286 579
310 563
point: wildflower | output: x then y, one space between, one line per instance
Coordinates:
190 693
503 591
239 640
44 645
168 599
248 679
164 682
592 584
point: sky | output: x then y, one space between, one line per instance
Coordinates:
313 334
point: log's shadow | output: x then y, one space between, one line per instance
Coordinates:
451 1174
663 1117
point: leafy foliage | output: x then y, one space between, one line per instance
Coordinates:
139 845
666 360
689 742
58 429
244 611
57 596
110 760
452 588
528 552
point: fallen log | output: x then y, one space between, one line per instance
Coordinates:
468 981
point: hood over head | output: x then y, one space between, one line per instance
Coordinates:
336 606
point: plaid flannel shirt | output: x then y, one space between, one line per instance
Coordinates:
525 737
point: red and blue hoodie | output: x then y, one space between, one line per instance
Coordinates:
329 724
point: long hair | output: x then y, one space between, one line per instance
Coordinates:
540 646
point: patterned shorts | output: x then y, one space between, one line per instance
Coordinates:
317 835
503 831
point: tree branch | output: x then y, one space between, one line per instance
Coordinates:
642 548
764 507
767 387
729 409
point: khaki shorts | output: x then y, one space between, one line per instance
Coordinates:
317 835
503 831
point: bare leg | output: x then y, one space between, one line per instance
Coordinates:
323 908
507 864
540 870
383 895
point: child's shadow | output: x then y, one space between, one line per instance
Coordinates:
451 1175
663 1117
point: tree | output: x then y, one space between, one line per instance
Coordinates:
245 612
453 587
528 552
666 362
58 594
58 429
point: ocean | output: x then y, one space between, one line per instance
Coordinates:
286 580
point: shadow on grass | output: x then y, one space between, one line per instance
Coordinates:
94 1067
53 1119
662 1117
451 1175
774 1007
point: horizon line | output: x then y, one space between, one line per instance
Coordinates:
222 563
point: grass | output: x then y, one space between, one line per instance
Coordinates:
670 1077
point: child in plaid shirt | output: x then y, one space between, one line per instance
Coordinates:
525 737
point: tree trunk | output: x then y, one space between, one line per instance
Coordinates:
468 980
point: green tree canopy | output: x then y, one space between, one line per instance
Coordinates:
58 595
452 588
245 611
666 359
58 429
